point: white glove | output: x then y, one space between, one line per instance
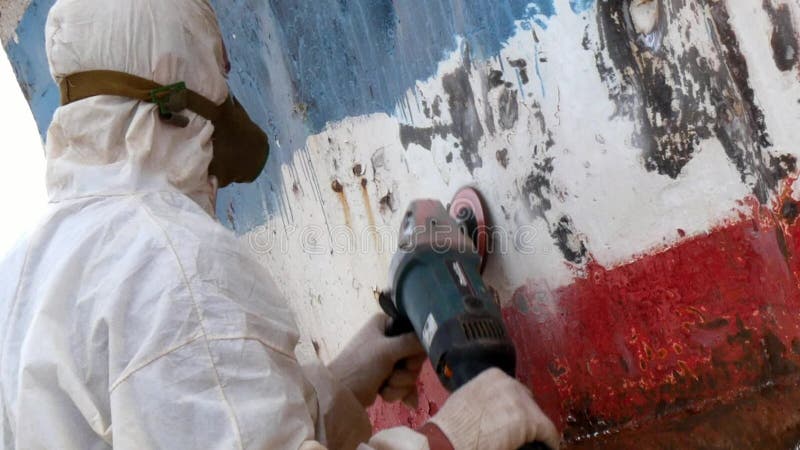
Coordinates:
369 363
494 412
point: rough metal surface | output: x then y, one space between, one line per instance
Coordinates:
10 13
768 419
638 158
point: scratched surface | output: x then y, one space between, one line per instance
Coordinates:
638 158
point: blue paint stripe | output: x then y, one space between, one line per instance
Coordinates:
29 60
343 58
348 58
355 57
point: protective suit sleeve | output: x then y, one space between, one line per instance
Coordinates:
213 393
391 362
345 423
344 420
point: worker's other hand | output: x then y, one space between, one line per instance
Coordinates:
373 362
494 412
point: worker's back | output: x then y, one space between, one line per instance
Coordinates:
111 296
129 317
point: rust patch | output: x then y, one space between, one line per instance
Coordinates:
648 351
346 209
776 354
715 324
367 206
781 239
337 187
556 370
761 420
373 230
790 210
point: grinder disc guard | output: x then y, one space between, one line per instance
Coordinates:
469 211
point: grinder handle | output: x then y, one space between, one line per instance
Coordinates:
398 324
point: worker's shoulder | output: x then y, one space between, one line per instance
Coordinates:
194 236
164 237
234 294
196 278
147 273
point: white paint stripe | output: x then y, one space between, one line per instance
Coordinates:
620 210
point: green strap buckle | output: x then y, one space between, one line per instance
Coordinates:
171 99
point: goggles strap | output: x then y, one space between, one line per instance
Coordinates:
171 99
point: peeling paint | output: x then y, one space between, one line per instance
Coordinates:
688 93
502 157
466 123
569 242
537 188
509 109
784 37
324 42
522 69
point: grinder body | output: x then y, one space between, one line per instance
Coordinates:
438 292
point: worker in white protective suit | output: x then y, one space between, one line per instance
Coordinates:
129 318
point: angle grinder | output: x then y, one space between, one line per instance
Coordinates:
438 292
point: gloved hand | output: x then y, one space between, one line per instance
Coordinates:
494 412
369 363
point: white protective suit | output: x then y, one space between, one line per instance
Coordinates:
129 317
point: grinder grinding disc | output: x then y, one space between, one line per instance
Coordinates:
469 211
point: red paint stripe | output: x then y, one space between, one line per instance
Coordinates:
702 322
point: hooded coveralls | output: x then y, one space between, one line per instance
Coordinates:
129 317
